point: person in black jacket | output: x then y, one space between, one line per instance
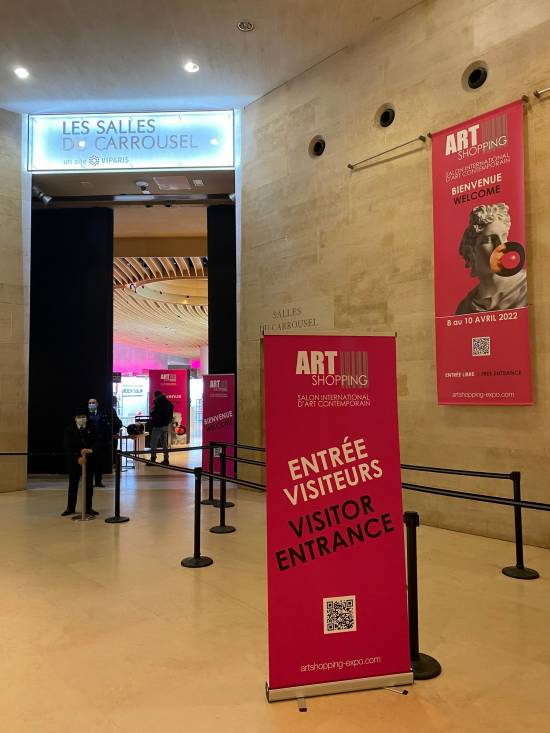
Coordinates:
161 419
81 433
117 424
104 436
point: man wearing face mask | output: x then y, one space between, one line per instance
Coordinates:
79 434
103 432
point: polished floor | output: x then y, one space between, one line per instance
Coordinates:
101 629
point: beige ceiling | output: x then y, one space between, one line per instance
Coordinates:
167 327
160 221
127 55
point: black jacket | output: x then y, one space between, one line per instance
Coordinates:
117 423
162 412
102 425
75 439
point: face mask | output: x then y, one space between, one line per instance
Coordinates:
92 406
80 422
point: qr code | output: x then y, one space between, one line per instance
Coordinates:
339 614
481 346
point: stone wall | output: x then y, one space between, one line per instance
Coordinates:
312 228
15 201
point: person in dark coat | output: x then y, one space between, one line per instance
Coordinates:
81 433
104 437
161 419
117 424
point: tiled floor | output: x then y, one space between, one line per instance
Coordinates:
101 629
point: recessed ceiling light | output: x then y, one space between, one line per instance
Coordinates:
214 141
21 72
246 26
191 67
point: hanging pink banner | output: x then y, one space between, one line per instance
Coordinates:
482 329
336 570
174 384
218 417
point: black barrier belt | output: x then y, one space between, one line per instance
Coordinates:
136 457
478 497
124 453
248 461
64 454
239 445
413 487
457 471
233 480
170 450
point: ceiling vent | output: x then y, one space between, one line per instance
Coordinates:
172 183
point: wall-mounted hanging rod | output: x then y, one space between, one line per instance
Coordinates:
353 166
539 92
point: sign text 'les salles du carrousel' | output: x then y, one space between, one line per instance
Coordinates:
140 141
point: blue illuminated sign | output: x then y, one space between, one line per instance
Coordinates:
143 141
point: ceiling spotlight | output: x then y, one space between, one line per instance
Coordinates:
246 26
214 141
21 72
143 186
191 67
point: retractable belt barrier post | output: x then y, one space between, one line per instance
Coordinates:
519 570
424 667
83 460
210 500
223 528
197 560
117 519
222 447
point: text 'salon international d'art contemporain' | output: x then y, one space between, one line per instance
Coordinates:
336 567
482 330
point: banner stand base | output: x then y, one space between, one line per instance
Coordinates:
333 688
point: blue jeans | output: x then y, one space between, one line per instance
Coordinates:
159 435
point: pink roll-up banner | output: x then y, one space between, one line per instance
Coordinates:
481 313
218 417
337 605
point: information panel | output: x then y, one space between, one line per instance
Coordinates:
336 567
482 330
140 141
218 417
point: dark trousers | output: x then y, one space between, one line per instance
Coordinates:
100 459
75 472
159 435
98 474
